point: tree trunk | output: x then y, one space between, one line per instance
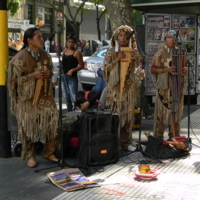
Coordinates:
98 20
76 28
120 12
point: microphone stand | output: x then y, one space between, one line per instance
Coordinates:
139 147
61 162
190 64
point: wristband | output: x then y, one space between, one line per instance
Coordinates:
58 77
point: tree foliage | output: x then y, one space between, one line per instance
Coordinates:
13 6
120 12
72 18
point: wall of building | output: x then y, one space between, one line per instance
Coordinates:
88 28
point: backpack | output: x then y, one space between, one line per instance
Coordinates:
156 148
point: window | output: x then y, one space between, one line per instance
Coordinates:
30 13
100 53
48 16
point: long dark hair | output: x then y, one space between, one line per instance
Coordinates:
29 33
79 99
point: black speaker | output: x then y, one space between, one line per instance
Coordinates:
99 138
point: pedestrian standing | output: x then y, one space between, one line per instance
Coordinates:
72 61
47 45
79 45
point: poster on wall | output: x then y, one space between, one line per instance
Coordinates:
15 40
41 19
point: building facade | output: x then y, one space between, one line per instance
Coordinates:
38 13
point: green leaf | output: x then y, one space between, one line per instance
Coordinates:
13 6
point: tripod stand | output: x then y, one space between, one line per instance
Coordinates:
142 96
190 64
190 67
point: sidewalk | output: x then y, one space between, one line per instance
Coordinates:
178 179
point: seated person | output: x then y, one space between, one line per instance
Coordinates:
84 100
100 83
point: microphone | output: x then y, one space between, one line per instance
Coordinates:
176 37
129 36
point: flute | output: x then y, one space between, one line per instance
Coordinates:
124 67
45 80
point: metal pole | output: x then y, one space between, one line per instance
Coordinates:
5 140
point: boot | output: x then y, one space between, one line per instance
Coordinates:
171 135
159 128
50 149
177 130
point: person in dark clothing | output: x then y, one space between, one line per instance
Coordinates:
72 61
85 100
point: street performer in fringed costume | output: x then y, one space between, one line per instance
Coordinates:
120 66
30 88
163 70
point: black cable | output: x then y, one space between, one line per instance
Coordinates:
193 132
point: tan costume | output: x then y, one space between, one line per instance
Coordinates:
163 104
41 121
123 106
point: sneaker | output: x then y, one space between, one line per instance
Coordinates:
131 148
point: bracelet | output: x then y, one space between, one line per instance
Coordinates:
58 77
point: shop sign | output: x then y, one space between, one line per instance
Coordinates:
41 19
45 29
15 23
41 23
15 40
18 24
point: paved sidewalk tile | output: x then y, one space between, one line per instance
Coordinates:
178 179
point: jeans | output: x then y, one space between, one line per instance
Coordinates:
47 48
72 83
100 83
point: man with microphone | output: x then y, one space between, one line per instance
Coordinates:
163 70
122 104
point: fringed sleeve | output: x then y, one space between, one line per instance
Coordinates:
111 68
12 87
137 59
20 87
161 79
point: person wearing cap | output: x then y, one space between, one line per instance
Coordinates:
72 61
162 71
122 105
